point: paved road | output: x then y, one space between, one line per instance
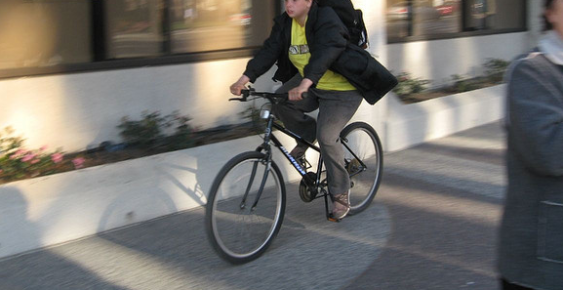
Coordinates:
432 226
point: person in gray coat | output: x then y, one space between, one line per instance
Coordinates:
530 252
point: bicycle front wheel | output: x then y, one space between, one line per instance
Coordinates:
363 156
245 208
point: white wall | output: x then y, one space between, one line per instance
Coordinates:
535 22
438 60
74 111
77 110
375 24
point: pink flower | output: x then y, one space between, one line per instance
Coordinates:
43 148
78 162
57 157
28 157
34 161
18 154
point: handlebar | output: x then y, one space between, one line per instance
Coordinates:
273 97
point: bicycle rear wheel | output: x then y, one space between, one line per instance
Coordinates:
363 155
239 232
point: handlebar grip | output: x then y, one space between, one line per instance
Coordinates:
245 93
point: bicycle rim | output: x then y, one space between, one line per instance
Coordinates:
364 162
238 232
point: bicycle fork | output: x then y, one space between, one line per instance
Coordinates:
267 161
251 181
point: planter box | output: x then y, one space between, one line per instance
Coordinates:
408 125
44 211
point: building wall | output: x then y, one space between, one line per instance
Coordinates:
74 111
438 60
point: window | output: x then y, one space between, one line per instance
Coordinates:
204 25
134 28
432 19
140 28
54 36
44 33
495 14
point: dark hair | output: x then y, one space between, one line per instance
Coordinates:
546 24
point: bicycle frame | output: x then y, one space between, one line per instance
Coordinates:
313 185
239 230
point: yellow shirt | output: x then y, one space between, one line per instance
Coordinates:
299 55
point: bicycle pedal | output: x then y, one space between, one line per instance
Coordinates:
330 218
304 163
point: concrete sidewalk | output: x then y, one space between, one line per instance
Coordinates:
431 226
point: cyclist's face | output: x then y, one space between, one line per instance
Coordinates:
555 16
298 8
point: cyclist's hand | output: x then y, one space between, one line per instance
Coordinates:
239 85
296 94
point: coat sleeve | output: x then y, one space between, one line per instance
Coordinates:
269 53
535 114
329 38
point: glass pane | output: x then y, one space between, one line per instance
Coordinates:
44 33
436 17
399 18
495 14
423 17
406 18
207 25
134 28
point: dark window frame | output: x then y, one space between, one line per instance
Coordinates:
462 34
100 63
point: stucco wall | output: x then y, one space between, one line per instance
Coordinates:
77 110
74 111
438 60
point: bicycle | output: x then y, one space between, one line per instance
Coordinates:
246 203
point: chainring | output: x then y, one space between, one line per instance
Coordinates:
304 192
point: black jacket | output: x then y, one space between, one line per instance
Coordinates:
327 38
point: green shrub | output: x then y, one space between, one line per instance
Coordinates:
409 85
252 114
495 69
150 131
460 84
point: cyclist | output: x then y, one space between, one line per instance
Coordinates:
305 41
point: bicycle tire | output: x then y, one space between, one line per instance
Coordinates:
237 233
364 142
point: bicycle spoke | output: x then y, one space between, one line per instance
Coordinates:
363 157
